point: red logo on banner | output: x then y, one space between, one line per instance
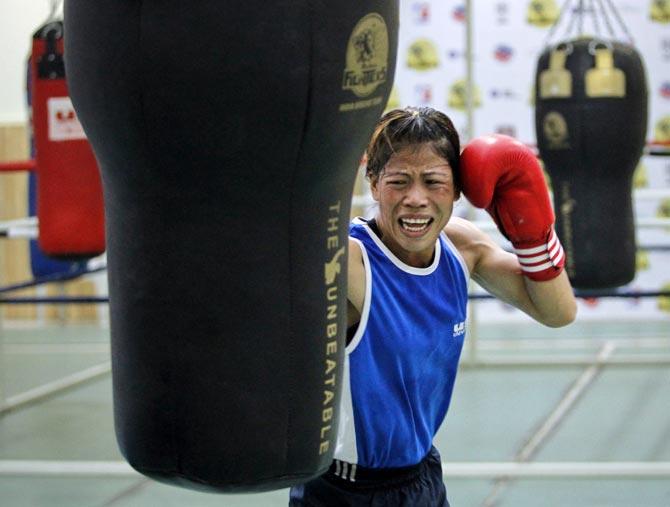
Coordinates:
421 12
459 13
423 93
665 90
503 53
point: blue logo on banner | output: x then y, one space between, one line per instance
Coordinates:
502 93
455 54
503 53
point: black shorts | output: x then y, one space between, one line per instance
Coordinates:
417 486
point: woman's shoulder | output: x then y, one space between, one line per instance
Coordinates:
468 239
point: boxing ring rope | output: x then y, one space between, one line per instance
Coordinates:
77 300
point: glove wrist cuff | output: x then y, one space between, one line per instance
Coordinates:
543 261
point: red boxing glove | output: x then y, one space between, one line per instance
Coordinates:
503 176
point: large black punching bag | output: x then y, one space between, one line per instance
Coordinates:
591 123
228 135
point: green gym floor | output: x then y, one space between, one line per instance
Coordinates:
533 412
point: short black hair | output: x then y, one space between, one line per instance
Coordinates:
412 127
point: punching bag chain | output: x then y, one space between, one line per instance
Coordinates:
599 15
620 21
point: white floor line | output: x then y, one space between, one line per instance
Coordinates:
564 406
28 349
57 386
465 470
566 469
552 421
569 343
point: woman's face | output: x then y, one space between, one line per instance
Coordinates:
416 192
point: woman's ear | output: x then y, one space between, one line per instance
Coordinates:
374 189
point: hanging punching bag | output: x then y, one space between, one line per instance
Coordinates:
69 197
41 264
228 136
591 122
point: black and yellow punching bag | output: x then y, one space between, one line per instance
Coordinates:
591 123
228 136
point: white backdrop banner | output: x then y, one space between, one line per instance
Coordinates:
508 38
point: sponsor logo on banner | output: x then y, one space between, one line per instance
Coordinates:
421 12
457 96
665 90
394 99
662 130
508 130
502 13
542 13
455 54
63 122
665 49
366 61
642 260
503 53
641 176
660 11
503 93
423 93
458 13
663 210
664 301
422 55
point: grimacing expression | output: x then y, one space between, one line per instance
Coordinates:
416 193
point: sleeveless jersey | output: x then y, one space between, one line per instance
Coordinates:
401 363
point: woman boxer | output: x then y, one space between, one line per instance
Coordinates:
408 275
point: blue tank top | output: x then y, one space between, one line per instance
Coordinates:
401 363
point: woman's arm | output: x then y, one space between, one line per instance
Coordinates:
356 283
550 302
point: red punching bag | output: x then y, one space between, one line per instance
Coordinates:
69 194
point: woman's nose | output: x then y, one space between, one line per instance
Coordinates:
415 196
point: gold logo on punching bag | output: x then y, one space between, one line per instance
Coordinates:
332 271
605 80
556 81
367 56
555 130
